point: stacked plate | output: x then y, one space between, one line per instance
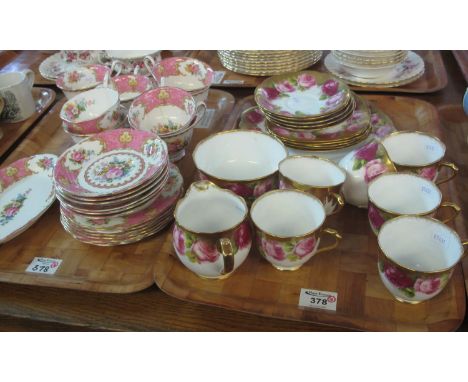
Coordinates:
268 62
116 187
383 68
313 111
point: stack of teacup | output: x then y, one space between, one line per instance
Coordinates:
116 187
169 112
311 110
92 112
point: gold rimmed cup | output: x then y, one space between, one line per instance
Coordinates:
212 235
395 194
417 256
289 228
419 152
316 176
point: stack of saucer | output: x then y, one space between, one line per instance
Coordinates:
268 62
313 111
383 68
113 187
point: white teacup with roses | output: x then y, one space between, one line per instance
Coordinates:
212 235
289 228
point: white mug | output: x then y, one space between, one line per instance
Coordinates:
15 89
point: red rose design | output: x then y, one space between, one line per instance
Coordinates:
284 87
205 251
397 278
427 286
242 236
77 156
178 240
255 116
374 217
373 169
270 93
11 211
330 87
429 173
262 187
367 152
114 172
241 189
305 247
273 249
306 80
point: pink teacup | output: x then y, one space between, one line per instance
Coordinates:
91 112
81 78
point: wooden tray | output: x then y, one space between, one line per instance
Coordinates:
351 270
120 269
434 78
455 124
462 59
13 132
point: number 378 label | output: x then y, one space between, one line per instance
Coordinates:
311 298
44 265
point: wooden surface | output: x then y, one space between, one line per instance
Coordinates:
433 79
455 123
351 270
119 269
39 308
462 59
14 132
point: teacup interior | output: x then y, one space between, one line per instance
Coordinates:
312 171
413 149
287 213
129 54
420 244
10 79
404 194
211 210
97 101
239 155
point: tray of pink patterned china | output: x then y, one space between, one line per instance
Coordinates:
116 194
261 248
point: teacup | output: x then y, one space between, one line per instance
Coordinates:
212 235
395 194
16 91
91 112
129 86
245 162
417 256
418 152
81 78
316 176
289 228
163 110
132 59
192 75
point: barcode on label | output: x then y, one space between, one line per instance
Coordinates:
44 265
233 82
207 118
311 298
218 76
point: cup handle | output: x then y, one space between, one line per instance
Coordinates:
339 200
116 66
226 249
102 57
454 169
464 244
201 109
332 232
149 63
30 77
456 210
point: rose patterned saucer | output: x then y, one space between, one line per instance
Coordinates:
53 66
26 192
403 73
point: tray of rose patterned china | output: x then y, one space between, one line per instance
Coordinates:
114 188
394 71
360 233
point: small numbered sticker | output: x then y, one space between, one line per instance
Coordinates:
233 82
44 265
319 299
218 76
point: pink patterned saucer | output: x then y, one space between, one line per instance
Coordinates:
110 162
26 192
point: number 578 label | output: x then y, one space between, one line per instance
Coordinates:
44 265
311 298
